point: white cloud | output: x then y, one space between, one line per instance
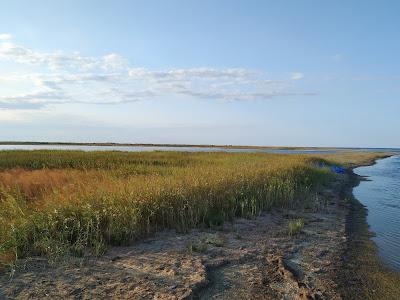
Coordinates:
74 61
297 76
5 36
114 62
74 78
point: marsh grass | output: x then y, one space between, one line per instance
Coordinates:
57 203
350 159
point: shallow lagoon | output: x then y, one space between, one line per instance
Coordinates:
186 149
381 195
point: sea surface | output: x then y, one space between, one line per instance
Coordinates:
184 149
381 195
159 148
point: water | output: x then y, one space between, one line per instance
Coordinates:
381 195
186 149
158 148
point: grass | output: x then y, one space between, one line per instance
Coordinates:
73 202
202 244
351 159
295 226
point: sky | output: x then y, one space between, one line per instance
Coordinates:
274 73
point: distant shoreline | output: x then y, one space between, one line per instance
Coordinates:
109 144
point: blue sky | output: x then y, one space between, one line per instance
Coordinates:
295 73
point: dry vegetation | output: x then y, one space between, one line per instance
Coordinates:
71 202
351 159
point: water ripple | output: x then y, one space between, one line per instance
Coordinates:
381 196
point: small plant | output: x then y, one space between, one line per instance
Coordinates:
189 247
196 247
200 247
214 240
295 226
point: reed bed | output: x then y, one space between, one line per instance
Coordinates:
72 202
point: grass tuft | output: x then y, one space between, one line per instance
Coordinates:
295 227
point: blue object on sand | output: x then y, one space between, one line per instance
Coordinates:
338 170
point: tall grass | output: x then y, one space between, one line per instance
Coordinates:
63 202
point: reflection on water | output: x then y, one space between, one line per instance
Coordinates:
381 195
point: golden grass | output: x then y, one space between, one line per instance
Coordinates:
63 202
353 159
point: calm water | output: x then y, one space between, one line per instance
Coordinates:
182 149
381 195
155 148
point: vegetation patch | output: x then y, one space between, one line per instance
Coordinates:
73 202
58 203
295 226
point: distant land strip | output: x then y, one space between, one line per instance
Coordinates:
176 145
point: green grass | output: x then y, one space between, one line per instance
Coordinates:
295 226
71 202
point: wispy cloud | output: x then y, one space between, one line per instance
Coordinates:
297 76
22 55
61 78
5 36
